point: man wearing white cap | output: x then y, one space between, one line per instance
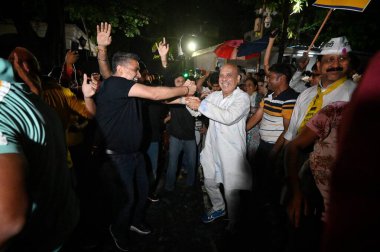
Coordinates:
333 65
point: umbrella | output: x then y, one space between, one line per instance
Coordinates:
247 49
227 49
240 49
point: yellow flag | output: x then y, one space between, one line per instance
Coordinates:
353 5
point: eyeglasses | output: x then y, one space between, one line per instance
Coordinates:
332 59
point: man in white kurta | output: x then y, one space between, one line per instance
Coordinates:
224 156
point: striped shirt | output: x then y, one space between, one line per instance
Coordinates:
276 109
28 127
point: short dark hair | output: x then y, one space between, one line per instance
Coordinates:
214 77
241 69
282 68
121 58
254 81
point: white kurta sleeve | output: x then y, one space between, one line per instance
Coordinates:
230 115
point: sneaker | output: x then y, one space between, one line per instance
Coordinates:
140 229
213 215
121 244
153 198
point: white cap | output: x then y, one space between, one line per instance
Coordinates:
338 45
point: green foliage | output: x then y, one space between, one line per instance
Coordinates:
127 18
298 5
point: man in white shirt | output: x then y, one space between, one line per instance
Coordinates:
333 65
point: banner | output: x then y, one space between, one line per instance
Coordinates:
353 5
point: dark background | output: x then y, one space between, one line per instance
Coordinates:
137 25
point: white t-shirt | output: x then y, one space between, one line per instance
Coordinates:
342 93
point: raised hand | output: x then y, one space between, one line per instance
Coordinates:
103 37
274 33
162 47
303 61
71 57
89 88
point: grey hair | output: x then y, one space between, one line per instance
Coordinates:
120 58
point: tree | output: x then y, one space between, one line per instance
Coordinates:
125 16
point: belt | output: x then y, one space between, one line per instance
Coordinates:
110 152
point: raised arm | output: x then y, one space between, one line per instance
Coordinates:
296 82
163 50
272 37
103 39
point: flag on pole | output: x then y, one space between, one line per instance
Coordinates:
353 5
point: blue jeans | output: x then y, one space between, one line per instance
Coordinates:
152 152
132 172
176 146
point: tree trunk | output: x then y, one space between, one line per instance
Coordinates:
285 23
54 41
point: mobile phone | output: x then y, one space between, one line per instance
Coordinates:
74 46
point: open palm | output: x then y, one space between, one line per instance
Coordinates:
103 36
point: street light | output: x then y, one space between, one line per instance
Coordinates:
187 45
191 46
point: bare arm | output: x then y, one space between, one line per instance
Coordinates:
268 51
103 39
255 119
160 93
13 196
292 163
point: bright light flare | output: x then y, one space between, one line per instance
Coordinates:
191 46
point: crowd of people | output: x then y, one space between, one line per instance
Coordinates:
269 135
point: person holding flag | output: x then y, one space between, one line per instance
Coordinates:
333 65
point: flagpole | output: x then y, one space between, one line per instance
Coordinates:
320 29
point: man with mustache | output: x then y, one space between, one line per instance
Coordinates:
333 65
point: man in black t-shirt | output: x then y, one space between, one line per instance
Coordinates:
119 117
